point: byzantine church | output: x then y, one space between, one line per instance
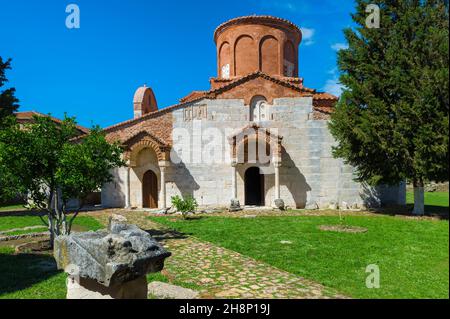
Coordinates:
257 99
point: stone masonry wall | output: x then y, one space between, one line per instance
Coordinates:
309 174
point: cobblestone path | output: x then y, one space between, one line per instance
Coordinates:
222 273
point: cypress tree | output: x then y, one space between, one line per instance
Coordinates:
391 122
8 102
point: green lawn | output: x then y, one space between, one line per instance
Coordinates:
14 222
25 276
439 199
42 229
412 254
32 276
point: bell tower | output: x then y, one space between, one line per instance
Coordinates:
144 101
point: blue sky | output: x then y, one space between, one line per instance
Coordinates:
92 72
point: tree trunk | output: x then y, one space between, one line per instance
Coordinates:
419 198
51 228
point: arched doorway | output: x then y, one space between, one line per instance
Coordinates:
254 187
150 190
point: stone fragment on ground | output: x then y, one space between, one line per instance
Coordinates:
163 290
23 236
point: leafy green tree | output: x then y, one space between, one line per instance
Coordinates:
8 102
44 161
391 122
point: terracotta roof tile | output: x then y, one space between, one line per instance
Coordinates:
192 96
325 96
211 94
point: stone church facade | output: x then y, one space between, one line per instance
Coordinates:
204 145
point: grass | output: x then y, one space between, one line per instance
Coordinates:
412 254
32 276
23 232
439 199
158 276
26 276
15 222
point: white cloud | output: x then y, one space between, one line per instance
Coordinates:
333 86
339 46
308 35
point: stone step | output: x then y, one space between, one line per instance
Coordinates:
163 290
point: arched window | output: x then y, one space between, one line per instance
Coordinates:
225 60
268 58
259 110
246 56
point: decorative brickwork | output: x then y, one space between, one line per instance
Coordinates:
257 43
253 132
145 140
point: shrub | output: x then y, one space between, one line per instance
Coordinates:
185 206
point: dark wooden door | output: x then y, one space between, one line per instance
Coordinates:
254 187
150 190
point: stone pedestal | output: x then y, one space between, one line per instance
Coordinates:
84 288
110 264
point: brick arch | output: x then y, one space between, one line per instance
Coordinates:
269 55
245 55
225 57
162 151
255 133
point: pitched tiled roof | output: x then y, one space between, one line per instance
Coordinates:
229 84
325 96
147 116
211 94
28 116
193 95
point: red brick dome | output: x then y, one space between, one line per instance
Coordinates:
257 43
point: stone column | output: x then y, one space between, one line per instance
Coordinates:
127 189
278 202
277 180
234 205
162 166
234 180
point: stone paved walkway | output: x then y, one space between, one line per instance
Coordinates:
222 273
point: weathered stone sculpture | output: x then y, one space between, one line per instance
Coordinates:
279 203
235 206
109 264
